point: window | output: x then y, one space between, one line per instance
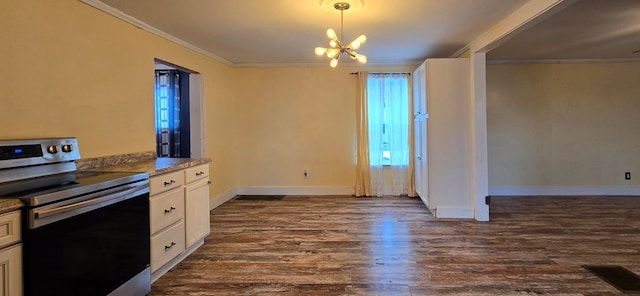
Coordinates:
172 113
388 112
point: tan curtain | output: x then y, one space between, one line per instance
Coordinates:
411 174
363 184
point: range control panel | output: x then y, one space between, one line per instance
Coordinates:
19 153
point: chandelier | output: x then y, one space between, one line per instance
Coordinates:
336 46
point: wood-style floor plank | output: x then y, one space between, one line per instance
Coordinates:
342 245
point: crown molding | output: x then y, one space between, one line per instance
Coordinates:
142 25
399 63
564 61
461 51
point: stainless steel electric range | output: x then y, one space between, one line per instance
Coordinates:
84 233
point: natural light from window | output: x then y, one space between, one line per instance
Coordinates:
388 107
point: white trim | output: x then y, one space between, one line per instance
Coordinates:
196 117
565 190
453 213
370 63
478 137
529 14
291 190
142 25
565 61
222 198
458 54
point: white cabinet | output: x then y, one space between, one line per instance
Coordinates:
166 213
179 216
10 255
442 138
165 182
197 203
166 245
168 208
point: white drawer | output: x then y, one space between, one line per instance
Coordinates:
9 228
166 245
164 182
165 209
196 173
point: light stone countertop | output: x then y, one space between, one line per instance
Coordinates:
10 205
154 166
145 162
141 162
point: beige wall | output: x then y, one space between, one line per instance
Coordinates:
563 125
72 70
297 118
69 69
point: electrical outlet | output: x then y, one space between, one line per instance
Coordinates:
306 174
627 175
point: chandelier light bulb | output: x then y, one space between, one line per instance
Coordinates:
320 51
331 34
362 59
333 63
355 44
333 43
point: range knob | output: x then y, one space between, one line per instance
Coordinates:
53 149
67 148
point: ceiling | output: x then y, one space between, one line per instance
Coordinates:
586 30
285 32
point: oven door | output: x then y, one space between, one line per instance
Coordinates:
91 252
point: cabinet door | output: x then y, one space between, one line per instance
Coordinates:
11 271
419 91
417 140
420 131
9 228
196 211
424 158
421 168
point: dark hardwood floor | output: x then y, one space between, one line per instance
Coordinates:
344 245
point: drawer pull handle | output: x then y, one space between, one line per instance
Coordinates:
169 246
199 173
169 210
169 183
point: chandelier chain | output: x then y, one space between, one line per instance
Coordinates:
341 25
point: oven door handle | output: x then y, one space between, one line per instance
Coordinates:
46 216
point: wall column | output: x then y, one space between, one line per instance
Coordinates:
478 133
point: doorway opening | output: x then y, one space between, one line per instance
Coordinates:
178 112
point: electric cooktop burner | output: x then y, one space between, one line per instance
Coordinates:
47 189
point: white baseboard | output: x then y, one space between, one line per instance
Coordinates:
222 198
453 213
612 190
290 190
